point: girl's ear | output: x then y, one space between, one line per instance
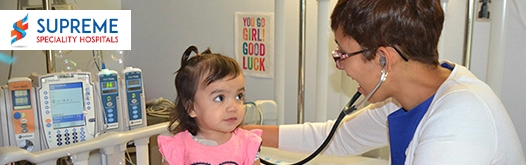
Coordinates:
189 107
191 113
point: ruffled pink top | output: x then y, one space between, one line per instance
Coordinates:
182 149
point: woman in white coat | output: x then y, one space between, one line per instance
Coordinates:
428 111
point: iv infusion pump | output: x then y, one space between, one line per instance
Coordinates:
58 109
110 101
134 101
67 111
22 115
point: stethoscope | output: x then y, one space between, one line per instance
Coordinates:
349 108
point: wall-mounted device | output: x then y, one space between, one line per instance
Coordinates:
22 114
112 119
67 110
134 103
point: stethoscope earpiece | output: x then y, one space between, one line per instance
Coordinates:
383 61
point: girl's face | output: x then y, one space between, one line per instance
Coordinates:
218 107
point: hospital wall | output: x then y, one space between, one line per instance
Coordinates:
162 30
166 28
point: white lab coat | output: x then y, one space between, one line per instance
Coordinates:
466 123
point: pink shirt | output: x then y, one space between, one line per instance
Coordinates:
241 148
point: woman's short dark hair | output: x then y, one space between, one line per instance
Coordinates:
412 26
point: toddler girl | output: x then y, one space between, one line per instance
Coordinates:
208 111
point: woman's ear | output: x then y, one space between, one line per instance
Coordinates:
384 58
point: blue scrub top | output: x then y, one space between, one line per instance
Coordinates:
402 125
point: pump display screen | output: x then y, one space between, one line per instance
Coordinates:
109 91
134 88
21 99
133 82
109 87
110 84
67 105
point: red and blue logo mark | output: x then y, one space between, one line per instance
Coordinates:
19 30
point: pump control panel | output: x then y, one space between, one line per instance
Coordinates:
134 102
67 109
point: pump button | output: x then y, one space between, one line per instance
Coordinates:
17 115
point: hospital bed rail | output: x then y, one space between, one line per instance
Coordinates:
111 145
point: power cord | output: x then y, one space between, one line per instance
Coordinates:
159 107
128 158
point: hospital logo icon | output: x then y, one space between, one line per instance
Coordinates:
19 30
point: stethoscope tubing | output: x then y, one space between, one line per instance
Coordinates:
348 109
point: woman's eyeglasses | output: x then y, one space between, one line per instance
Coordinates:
339 55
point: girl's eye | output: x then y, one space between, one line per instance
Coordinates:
240 96
219 98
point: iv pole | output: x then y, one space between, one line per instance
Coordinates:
301 67
50 63
468 37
